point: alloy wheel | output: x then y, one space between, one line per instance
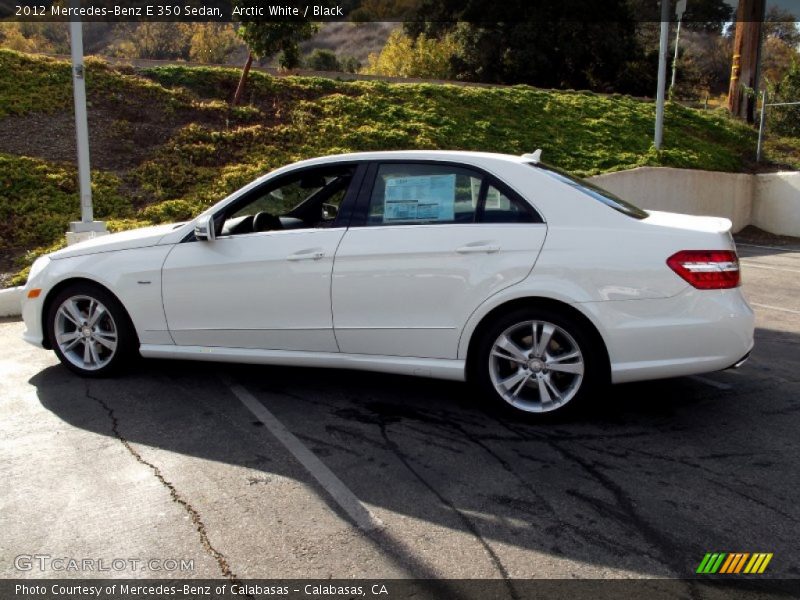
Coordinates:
536 366
86 332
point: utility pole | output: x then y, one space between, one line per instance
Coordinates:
662 74
87 227
744 65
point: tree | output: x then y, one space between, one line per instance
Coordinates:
777 59
35 37
781 24
709 16
538 42
350 64
711 58
403 56
12 37
212 42
154 40
266 38
704 59
780 46
323 60
785 120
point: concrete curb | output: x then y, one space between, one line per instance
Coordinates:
11 302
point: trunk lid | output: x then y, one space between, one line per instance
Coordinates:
690 222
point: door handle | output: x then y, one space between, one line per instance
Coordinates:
479 248
310 254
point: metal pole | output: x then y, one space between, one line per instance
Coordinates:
675 58
81 123
761 124
662 74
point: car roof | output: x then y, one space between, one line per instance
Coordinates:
442 155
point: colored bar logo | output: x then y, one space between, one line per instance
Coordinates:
734 563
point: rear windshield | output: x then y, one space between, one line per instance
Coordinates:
593 191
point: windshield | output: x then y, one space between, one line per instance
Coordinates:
593 191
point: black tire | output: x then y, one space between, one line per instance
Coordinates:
109 362
532 373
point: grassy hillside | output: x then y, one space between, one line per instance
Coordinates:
164 142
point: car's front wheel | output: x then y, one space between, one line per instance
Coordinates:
89 330
537 361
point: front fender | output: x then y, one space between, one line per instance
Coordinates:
133 276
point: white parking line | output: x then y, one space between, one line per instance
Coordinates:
755 266
783 249
711 382
345 498
788 310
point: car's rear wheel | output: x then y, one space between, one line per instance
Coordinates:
90 331
537 361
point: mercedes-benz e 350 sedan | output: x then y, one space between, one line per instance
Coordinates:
499 269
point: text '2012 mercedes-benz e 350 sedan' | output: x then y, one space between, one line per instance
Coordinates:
499 269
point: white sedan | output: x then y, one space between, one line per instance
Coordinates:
498 269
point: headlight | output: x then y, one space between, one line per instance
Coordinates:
38 266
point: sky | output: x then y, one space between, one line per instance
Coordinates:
790 5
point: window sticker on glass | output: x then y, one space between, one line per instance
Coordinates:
419 198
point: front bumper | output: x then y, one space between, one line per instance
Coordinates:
32 317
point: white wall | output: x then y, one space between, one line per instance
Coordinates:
11 302
707 193
776 203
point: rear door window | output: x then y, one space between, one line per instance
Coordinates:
421 193
410 194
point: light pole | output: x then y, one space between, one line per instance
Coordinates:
761 124
662 74
680 8
87 227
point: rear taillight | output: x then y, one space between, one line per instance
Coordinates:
707 269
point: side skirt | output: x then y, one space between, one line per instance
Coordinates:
439 368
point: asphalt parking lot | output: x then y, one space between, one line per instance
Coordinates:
345 474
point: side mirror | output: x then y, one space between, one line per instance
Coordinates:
204 228
329 211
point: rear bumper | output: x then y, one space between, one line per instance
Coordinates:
697 331
740 362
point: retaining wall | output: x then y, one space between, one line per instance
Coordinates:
776 203
770 201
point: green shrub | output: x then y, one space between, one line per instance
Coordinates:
41 198
323 60
785 120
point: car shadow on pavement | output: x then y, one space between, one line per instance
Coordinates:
646 481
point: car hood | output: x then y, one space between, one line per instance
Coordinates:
124 240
